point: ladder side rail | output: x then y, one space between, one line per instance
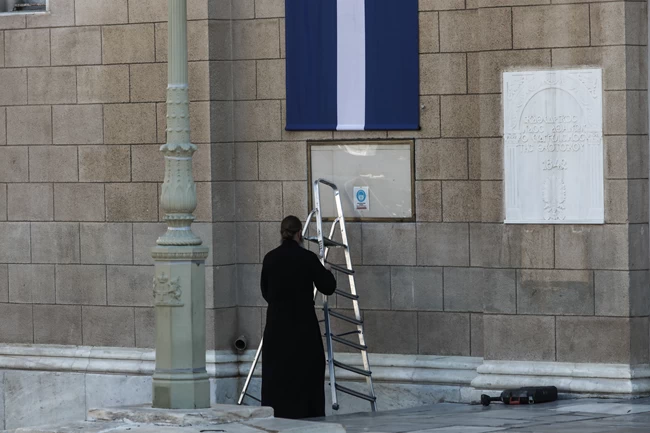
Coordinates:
330 355
353 290
250 373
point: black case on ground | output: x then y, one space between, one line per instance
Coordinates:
525 395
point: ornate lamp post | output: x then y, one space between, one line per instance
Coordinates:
180 380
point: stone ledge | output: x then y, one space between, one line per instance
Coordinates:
570 378
217 414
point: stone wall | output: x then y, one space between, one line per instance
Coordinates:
83 114
81 119
459 281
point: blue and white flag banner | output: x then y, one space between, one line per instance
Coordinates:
352 64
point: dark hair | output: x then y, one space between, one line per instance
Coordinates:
289 227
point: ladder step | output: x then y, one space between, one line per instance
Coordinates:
346 318
327 242
253 397
340 268
358 394
349 343
347 295
352 369
348 333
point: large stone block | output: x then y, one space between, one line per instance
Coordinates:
108 390
416 288
61 13
3 126
131 202
104 164
373 287
106 243
592 247
259 201
108 326
555 292
461 201
148 11
391 331
4 284
294 198
389 244
271 79
621 293
249 324
225 287
485 68
441 159
461 115
443 74
81 284
133 43
478 290
30 202
27 48
596 339
519 338
429 32
486 159
60 398
458 31
495 29
512 246
220 332
57 324
53 164
442 244
256 39
103 84
129 285
3 202
101 12
550 26
16 326
199 81
608 24
18 236
52 85
130 123
14 91
148 82
14 164
31 284
283 161
78 124
248 242
445 334
257 120
428 201
224 206
55 242
29 125
476 335
248 282
145 327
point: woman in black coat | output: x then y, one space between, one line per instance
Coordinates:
293 359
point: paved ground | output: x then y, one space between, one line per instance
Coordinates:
575 416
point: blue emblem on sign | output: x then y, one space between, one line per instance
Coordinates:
361 196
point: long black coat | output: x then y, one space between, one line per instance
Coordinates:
293 359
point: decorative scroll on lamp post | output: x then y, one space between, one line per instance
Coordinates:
180 380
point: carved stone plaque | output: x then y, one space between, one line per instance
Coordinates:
553 146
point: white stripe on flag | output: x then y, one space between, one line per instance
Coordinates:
351 64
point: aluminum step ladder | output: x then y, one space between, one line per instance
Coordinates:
324 246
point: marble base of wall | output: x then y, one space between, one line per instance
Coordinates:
602 380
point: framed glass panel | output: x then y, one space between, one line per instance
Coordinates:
376 178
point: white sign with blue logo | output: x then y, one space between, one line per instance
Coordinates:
361 198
